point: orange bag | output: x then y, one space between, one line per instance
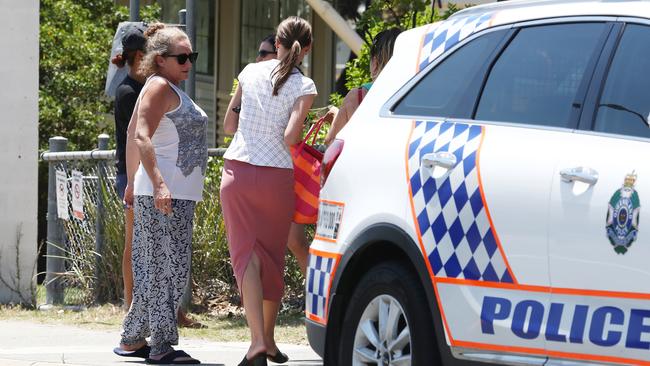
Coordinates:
306 171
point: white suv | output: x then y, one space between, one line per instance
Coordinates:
483 204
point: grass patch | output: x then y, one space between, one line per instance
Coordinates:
221 328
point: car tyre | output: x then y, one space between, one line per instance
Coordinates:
388 321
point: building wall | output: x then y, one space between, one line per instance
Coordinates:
204 95
228 25
19 148
228 60
322 56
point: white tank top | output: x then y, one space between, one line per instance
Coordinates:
181 152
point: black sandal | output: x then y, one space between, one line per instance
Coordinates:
278 357
257 360
172 358
142 352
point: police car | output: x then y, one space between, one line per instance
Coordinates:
483 204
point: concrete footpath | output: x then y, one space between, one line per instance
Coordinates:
25 343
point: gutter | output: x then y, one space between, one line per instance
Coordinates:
339 25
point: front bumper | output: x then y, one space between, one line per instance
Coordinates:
316 335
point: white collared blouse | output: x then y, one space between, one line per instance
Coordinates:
259 139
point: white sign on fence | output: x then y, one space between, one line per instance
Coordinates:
62 194
77 195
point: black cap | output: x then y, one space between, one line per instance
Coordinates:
133 38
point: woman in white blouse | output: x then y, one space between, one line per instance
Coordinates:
272 100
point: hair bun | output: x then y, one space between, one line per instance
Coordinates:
153 28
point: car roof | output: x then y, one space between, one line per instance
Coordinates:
440 36
526 10
426 43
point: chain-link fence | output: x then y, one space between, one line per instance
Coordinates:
84 260
83 255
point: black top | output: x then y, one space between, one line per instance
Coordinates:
125 98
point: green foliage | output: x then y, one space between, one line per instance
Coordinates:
386 14
336 99
75 44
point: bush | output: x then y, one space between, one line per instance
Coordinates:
386 14
75 45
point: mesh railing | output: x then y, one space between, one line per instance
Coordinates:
85 260
85 257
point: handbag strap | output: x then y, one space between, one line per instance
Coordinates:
313 130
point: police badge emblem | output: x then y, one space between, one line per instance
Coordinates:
623 215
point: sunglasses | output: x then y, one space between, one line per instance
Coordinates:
183 57
264 53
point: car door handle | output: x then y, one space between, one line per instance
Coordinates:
580 174
442 159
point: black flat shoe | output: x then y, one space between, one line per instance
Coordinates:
142 352
257 360
278 357
174 358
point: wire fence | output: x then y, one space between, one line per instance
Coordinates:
84 260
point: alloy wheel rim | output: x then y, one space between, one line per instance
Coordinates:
383 336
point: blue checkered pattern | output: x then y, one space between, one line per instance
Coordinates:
453 222
319 273
444 35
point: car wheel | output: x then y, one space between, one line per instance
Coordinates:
388 321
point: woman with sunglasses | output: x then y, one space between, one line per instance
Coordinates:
267 50
133 47
266 116
166 162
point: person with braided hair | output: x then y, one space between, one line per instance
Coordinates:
266 116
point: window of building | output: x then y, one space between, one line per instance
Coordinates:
625 103
442 91
342 54
536 79
205 21
261 18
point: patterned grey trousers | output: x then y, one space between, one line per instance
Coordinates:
162 249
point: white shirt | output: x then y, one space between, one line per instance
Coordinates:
259 139
181 151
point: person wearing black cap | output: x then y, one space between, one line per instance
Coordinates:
133 46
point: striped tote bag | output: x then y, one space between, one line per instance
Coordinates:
306 171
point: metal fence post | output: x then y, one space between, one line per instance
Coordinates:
134 10
182 21
190 29
102 144
55 264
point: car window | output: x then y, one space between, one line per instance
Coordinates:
625 103
536 79
442 90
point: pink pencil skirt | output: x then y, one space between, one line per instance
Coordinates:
258 205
